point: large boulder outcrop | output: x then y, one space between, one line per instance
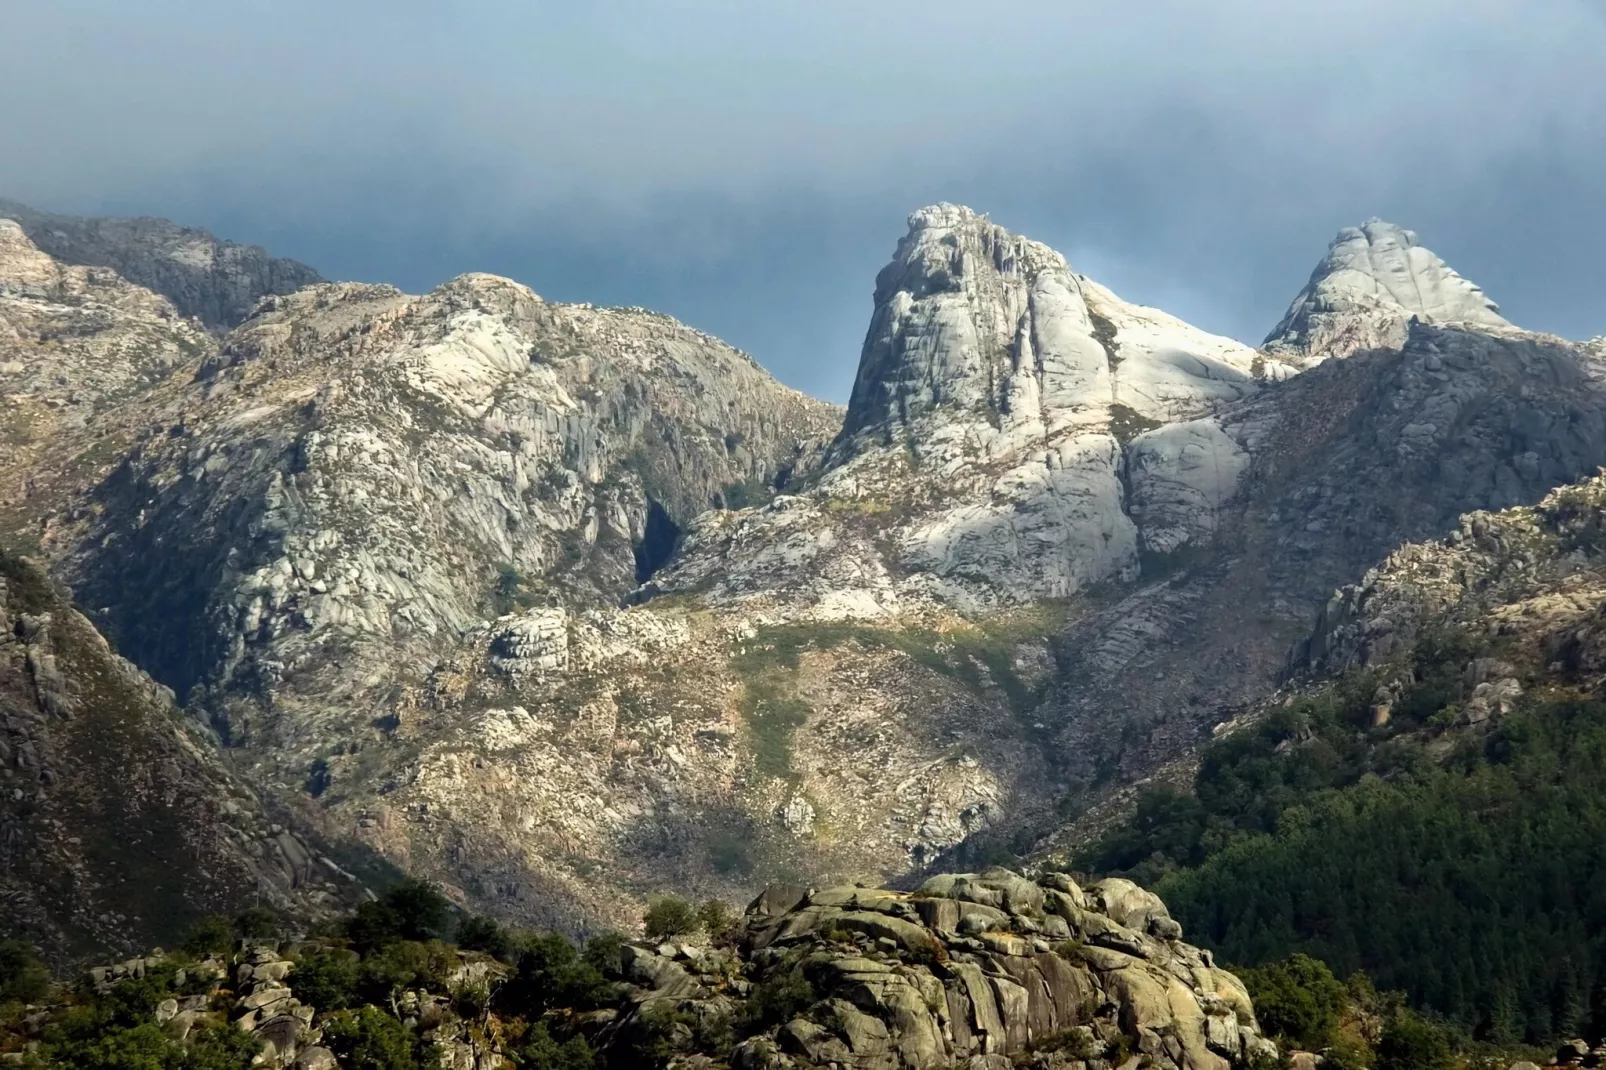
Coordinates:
978 970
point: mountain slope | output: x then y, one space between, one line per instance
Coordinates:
119 824
1425 804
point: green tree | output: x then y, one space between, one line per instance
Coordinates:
1297 999
411 910
258 923
369 1039
23 976
550 973
668 916
716 918
479 933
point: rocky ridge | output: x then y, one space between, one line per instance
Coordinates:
215 281
984 971
1531 580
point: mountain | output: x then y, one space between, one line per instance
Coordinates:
561 605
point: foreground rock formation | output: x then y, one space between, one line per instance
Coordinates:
984 971
977 970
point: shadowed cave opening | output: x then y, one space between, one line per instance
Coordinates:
658 540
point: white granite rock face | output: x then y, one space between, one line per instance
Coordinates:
1372 281
1182 475
986 439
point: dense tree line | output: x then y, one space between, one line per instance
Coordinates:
1466 868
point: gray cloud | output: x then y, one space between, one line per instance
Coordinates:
746 165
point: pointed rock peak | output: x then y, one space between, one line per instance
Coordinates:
949 311
951 248
1374 279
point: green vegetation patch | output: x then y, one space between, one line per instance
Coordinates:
1467 870
1127 423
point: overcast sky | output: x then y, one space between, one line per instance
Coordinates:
747 165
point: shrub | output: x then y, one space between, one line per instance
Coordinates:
403 965
776 999
23 977
669 916
653 1037
369 1039
1346 1054
1298 999
326 978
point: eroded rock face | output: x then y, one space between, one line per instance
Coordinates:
362 470
979 970
218 282
75 340
1374 279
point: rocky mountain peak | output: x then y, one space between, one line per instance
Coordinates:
1374 279
982 335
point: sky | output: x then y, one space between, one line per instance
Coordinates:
748 165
